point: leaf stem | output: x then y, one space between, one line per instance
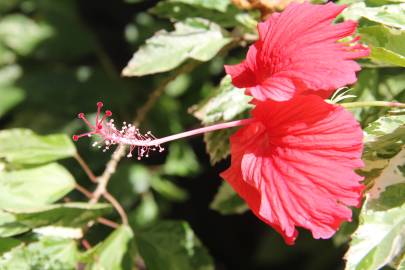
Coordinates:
108 222
117 207
85 167
363 104
83 190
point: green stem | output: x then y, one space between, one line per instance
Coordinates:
363 104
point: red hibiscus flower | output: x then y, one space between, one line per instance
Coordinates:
294 165
298 51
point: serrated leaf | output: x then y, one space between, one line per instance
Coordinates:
196 39
111 253
172 245
34 187
217 144
22 146
227 201
386 44
392 173
384 137
46 254
65 215
379 239
218 11
23 34
226 103
390 15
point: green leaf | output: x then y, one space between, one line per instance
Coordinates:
379 239
22 34
65 215
384 137
46 254
219 5
22 146
401 265
146 213
34 187
7 244
195 39
217 144
6 55
10 97
218 11
181 160
172 245
113 252
9 93
386 43
227 201
9 225
168 189
226 103
389 15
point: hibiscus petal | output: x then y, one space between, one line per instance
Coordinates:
295 166
301 45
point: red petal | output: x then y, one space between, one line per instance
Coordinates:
294 167
301 45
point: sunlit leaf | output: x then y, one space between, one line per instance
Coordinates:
23 34
22 146
112 252
390 15
218 11
66 215
384 137
46 254
172 245
379 239
34 187
195 39
386 44
227 201
9 225
225 104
